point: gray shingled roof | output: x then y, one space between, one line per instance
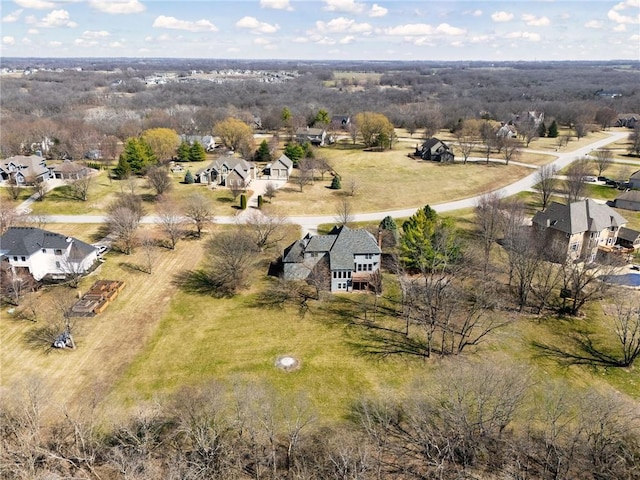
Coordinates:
286 161
349 243
583 216
630 196
628 234
24 241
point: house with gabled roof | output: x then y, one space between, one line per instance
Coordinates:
68 170
435 150
24 170
207 141
45 255
580 228
351 258
315 136
280 168
634 180
629 200
227 171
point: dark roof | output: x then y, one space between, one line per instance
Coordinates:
629 196
583 216
24 241
628 234
430 143
349 243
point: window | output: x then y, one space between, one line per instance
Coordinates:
334 274
44 250
369 256
57 264
58 252
15 259
574 247
24 259
369 267
359 267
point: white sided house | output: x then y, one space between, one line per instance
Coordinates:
46 255
351 259
24 170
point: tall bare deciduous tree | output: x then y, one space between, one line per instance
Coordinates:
266 227
9 217
198 210
159 180
603 158
574 185
80 187
123 220
626 326
490 221
546 182
171 220
510 149
344 212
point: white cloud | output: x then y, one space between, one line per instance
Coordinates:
35 4
175 24
301 40
12 17
615 14
57 18
534 21
116 44
325 41
255 26
117 6
477 13
347 40
377 11
532 37
342 24
446 29
90 34
501 16
593 24
8 40
621 27
410 29
33 31
481 38
276 4
83 42
634 38
261 41
26 41
346 6
30 19
55 43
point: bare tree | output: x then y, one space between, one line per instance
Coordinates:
545 183
467 136
488 136
80 187
603 158
198 209
353 187
231 256
149 254
236 188
510 149
39 189
626 325
344 212
574 185
9 217
159 180
171 221
266 227
13 188
323 166
270 191
123 220
15 284
583 283
302 178
489 222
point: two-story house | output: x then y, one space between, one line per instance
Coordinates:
352 258
581 228
435 150
24 170
227 171
46 255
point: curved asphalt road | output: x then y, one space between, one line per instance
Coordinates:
310 223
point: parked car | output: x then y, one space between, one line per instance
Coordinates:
611 183
602 179
589 178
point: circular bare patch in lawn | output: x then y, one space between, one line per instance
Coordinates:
287 363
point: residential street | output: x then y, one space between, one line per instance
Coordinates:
310 223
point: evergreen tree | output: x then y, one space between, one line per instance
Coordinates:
335 183
197 153
388 223
188 178
542 130
294 151
138 155
243 202
553 130
260 201
428 242
183 152
123 169
263 154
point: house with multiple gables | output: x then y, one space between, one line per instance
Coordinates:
582 228
435 150
227 171
629 120
350 258
280 169
315 136
24 170
45 255
207 141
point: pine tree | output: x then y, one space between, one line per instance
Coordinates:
123 169
553 130
188 178
197 153
243 202
335 183
294 151
263 154
183 152
138 155
542 130
260 201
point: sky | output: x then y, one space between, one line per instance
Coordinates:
450 30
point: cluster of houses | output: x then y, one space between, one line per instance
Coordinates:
32 169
